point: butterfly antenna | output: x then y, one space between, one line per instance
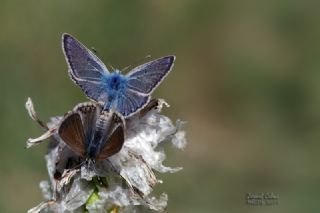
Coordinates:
94 50
83 162
135 62
110 65
78 165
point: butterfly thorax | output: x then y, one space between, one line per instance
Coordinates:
114 84
93 146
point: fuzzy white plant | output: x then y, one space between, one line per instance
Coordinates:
123 182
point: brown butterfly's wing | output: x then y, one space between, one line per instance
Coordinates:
72 133
89 111
113 145
153 104
112 141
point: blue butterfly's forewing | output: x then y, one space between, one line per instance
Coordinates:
85 69
146 77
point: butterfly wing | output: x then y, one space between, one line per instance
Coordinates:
89 111
113 145
85 68
129 102
146 77
72 133
141 81
110 132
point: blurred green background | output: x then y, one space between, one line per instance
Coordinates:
247 80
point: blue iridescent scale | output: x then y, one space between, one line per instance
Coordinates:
114 84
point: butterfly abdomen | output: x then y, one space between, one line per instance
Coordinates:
95 144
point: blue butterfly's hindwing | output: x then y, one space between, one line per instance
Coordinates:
129 102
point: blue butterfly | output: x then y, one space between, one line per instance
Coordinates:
127 94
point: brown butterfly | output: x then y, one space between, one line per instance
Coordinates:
92 133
